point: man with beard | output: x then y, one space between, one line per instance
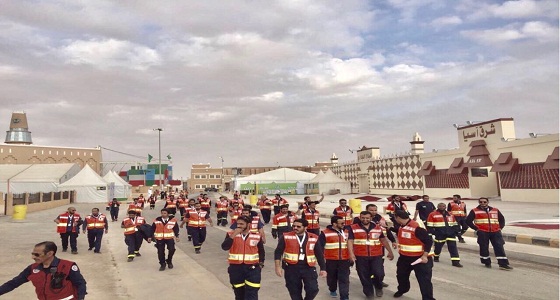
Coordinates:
166 233
334 239
442 225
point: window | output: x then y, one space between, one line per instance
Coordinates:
203 186
218 176
197 186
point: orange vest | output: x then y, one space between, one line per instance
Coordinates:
312 218
255 224
164 231
183 203
236 214
486 221
436 219
336 244
281 220
221 206
457 210
291 251
391 208
367 244
265 204
409 244
278 202
346 214
95 223
137 207
171 204
130 225
205 203
63 222
197 219
244 251
238 200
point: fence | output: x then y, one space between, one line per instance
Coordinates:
37 201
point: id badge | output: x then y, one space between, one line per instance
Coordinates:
301 256
135 228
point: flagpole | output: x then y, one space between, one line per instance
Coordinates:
159 150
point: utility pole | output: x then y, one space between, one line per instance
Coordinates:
159 130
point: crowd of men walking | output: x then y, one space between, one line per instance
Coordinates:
352 239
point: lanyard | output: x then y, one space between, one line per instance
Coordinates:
300 242
342 234
244 237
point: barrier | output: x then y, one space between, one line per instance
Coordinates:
20 212
355 205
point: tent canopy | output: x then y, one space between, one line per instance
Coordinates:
281 177
89 185
121 187
328 183
34 178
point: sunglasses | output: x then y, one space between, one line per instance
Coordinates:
297 226
481 202
36 254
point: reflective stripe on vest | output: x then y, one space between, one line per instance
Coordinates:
291 251
409 244
164 231
486 221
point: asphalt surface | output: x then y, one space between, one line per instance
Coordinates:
109 276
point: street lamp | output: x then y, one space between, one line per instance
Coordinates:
222 180
159 130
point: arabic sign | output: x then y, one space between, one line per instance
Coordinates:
478 132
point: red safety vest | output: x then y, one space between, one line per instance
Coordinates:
457 209
486 221
244 251
436 219
255 224
281 220
164 231
265 204
278 202
312 218
171 204
95 223
291 251
391 207
205 203
197 219
345 214
239 200
221 206
137 207
336 244
236 214
183 203
367 244
41 280
130 226
63 222
409 244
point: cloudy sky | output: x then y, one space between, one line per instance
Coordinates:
284 82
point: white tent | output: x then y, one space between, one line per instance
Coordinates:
328 183
35 178
122 188
278 176
89 185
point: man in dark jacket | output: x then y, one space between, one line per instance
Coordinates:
443 226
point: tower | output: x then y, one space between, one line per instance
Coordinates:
334 160
417 144
18 133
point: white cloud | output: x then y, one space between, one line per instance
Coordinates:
539 31
334 72
446 21
268 97
517 9
107 53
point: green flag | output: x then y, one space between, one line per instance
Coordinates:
169 156
150 157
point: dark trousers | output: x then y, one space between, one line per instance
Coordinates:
483 240
182 211
94 237
301 276
198 235
114 213
439 241
245 280
73 236
172 211
462 221
134 242
423 274
266 215
371 273
338 272
160 245
276 209
222 218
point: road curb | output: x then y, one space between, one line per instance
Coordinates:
524 239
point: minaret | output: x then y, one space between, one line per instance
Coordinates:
18 133
417 144
334 160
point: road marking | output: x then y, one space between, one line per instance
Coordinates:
486 292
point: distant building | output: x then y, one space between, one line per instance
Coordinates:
19 149
490 161
204 176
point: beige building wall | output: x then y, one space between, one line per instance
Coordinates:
32 154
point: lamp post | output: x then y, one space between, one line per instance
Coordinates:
222 178
159 130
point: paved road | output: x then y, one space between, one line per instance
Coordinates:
109 276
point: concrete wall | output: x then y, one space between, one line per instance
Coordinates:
538 196
44 202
